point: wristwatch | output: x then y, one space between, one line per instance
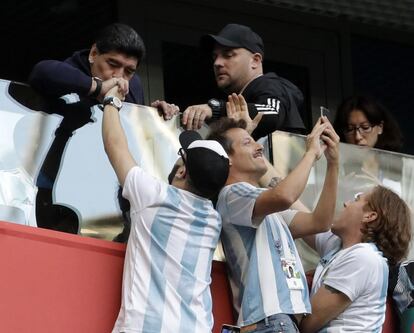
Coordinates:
216 107
114 101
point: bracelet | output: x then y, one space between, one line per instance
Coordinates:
98 88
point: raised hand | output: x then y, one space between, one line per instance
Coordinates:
120 89
313 140
237 109
331 140
108 85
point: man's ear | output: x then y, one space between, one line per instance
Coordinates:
230 162
181 172
93 53
256 60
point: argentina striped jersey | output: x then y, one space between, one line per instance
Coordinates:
168 261
254 255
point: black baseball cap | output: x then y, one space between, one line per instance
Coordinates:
206 161
234 35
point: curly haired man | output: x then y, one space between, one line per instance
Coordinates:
350 284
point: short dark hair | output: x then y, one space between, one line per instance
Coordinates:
391 231
172 173
376 113
218 131
125 207
121 38
124 204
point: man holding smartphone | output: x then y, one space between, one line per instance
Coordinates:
267 278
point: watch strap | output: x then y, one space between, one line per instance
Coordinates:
218 108
109 100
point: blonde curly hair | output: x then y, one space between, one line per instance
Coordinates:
391 231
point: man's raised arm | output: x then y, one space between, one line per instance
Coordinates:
113 135
320 220
289 189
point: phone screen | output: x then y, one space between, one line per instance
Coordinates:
324 111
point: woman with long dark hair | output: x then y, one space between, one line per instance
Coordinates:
362 120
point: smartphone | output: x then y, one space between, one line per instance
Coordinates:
324 111
230 329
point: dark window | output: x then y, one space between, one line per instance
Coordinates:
385 70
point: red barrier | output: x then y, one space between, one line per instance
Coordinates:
222 300
56 282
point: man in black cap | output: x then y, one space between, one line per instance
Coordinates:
238 55
174 230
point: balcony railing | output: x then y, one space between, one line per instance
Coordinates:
86 184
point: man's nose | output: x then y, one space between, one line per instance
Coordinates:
118 72
218 62
259 147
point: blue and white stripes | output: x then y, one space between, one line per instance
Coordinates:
168 262
254 256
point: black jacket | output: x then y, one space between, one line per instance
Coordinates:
54 78
279 100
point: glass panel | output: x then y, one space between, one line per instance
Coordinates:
360 169
85 186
